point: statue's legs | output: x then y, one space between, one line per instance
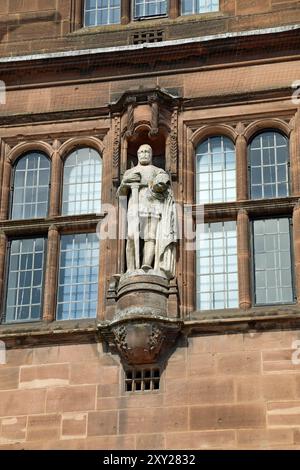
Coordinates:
150 229
130 254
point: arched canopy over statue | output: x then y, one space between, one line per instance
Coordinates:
151 217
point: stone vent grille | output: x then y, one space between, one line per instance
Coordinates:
142 380
142 37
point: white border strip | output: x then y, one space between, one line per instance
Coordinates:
136 47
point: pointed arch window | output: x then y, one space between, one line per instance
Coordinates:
82 182
30 189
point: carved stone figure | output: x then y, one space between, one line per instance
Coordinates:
151 218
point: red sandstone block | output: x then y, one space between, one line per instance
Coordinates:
215 343
151 420
109 403
44 427
94 372
296 433
74 425
102 423
9 378
22 402
68 353
227 417
239 363
279 361
177 392
111 442
264 438
200 440
150 441
211 390
282 414
249 7
176 369
44 376
18 357
269 340
13 429
279 387
248 388
75 398
201 364
108 390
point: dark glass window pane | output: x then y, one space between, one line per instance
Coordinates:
272 261
102 12
269 176
24 285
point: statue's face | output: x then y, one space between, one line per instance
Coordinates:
145 154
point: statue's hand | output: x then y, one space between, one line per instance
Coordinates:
134 178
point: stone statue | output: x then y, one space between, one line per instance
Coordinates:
151 217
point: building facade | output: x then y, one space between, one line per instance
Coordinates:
208 359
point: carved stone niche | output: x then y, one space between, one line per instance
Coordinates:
150 115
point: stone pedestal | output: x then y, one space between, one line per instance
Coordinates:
141 328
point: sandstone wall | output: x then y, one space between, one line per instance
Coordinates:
230 391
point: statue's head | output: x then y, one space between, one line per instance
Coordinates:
144 154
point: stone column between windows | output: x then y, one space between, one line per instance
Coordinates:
56 173
296 240
125 11
295 155
51 274
76 15
3 248
244 256
174 9
5 189
241 168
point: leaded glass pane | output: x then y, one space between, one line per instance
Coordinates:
25 280
272 261
82 183
78 276
190 7
102 12
268 159
149 8
215 171
217 273
31 187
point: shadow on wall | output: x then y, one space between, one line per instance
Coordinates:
12 25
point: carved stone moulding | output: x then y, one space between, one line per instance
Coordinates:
141 294
141 340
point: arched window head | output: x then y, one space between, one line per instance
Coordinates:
31 179
215 171
82 182
268 162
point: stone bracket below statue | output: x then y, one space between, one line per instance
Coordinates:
142 316
142 340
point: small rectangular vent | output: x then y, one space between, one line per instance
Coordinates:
142 37
142 380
